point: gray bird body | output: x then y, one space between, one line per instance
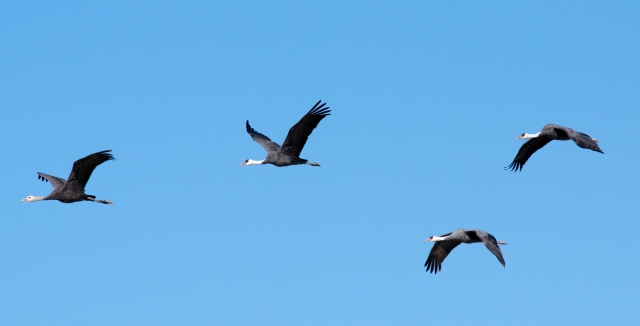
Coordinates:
548 133
72 189
289 152
447 242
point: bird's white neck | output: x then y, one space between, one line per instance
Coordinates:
529 136
252 162
434 239
32 199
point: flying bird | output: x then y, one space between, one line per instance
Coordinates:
289 152
72 189
446 242
550 132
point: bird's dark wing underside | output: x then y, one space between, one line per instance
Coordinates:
55 181
263 140
439 252
491 244
525 152
583 140
299 133
82 168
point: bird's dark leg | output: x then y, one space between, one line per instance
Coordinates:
93 199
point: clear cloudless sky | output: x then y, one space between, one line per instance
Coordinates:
427 98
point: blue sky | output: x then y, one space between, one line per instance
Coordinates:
426 99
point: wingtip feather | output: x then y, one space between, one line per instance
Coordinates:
319 110
107 154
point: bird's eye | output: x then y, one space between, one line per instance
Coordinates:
247 160
522 134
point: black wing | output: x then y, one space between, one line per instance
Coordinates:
263 140
55 181
491 244
439 252
83 167
583 140
299 133
525 152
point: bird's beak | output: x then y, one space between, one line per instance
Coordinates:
519 137
23 199
426 240
502 242
241 163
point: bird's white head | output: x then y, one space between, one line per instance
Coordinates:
527 136
251 162
433 238
31 199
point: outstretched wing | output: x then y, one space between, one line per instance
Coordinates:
299 133
83 167
263 140
439 252
55 181
491 244
583 140
525 152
